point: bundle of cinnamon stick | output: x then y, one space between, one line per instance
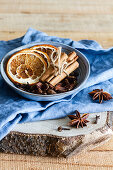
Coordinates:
63 67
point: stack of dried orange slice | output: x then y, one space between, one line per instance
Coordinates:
28 65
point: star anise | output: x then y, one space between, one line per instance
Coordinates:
100 94
77 119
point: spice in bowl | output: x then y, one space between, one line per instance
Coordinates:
43 69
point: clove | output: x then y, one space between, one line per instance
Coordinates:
97 118
60 128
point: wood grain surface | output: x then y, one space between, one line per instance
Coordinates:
84 19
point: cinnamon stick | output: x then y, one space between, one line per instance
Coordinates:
72 64
72 61
71 56
68 64
51 70
69 70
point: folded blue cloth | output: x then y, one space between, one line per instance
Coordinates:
16 109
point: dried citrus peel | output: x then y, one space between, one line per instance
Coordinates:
42 54
25 67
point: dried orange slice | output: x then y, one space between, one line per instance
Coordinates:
49 49
26 67
42 54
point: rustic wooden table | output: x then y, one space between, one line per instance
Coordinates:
84 19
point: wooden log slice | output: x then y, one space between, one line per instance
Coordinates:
42 137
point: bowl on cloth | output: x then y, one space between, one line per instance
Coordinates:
83 70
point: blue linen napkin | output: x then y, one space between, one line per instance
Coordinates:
16 109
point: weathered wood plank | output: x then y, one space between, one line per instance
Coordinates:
105 39
57 22
56 6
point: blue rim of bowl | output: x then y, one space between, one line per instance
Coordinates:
41 95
